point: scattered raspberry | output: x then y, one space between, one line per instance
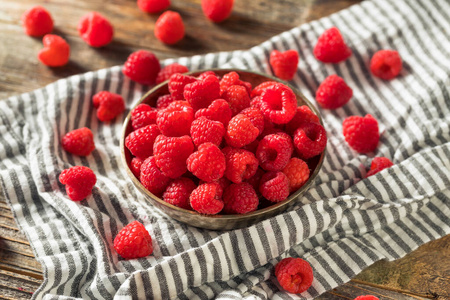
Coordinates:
153 6
109 105
295 275
201 93
133 241
284 64
171 154
274 151
259 89
237 97
204 130
331 47
310 139
367 297
79 141
302 115
218 110
232 78
176 119
164 101
178 192
79 182
142 66
255 116
297 172
143 115
240 131
333 92
177 82
378 164
152 178
56 51
207 163
361 133
278 103
206 74
169 70
240 198
135 166
169 28
217 10
95 29
274 186
386 64
256 179
241 164
140 142
37 21
207 198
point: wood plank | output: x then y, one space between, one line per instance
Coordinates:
16 286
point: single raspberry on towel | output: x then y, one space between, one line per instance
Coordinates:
259 89
79 141
278 103
237 97
204 130
142 66
171 154
386 64
164 101
133 241
361 133
295 275
140 142
240 198
95 29
333 92
169 28
152 178
255 116
310 139
366 297
297 172
217 10
218 110
153 6
201 93
274 151
284 64
241 164
207 163
240 131
378 164
274 186
135 166
178 191
232 78
143 115
302 115
56 51
37 21
79 182
109 105
331 47
207 198
177 83
176 119
169 70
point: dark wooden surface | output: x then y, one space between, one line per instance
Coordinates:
424 273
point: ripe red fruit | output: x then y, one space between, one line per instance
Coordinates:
237 97
295 275
37 21
217 10
259 89
284 64
135 166
169 70
204 130
143 115
219 110
386 64
142 66
367 297
240 131
164 101
177 83
333 92
241 164
152 178
207 163
153 6
207 198
56 51
255 116
274 151
331 47
278 103
171 154
109 105
176 119
79 181
310 139
274 186
201 93
133 241
169 27
378 164
79 141
297 172
140 142
95 29
178 192
240 198
361 133
302 115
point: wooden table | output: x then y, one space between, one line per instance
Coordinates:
424 273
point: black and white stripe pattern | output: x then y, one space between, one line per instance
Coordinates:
342 225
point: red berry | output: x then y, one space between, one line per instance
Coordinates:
79 141
310 139
256 179
278 103
108 105
333 92
37 21
274 186
207 163
178 192
240 131
252 146
240 198
297 172
274 151
204 130
201 93
284 64
270 128
237 97
378 164
361 133
56 51
331 47
142 66
153 6
295 275
302 115
232 78
79 182
177 83
207 198
256 102
143 115
152 178
135 166
217 10
95 29
241 164
259 89
140 142
218 110
206 74
176 119
133 241
169 28
386 64
367 297
171 154
164 101
255 116
169 70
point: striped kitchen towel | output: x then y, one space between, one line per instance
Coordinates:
343 224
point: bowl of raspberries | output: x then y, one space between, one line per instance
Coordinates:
222 149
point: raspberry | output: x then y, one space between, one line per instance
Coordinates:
140 142
302 115
217 10
237 97
310 139
135 166
95 29
241 164
37 21
164 101
252 146
152 178
240 131
240 198
378 164
367 297
256 102
204 130
259 89
297 172
79 141
177 83
178 192
333 92
270 128
108 105
143 115
331 47
284 64
153 6
169 28
274 186
133 241
207 198
218 110
256 179
232 78
278 103
79 182
274 151
56 51
169 70
361 133
202 93
255 116
142 66
386 64
171 154
295 275
207 163
206 74
176 119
